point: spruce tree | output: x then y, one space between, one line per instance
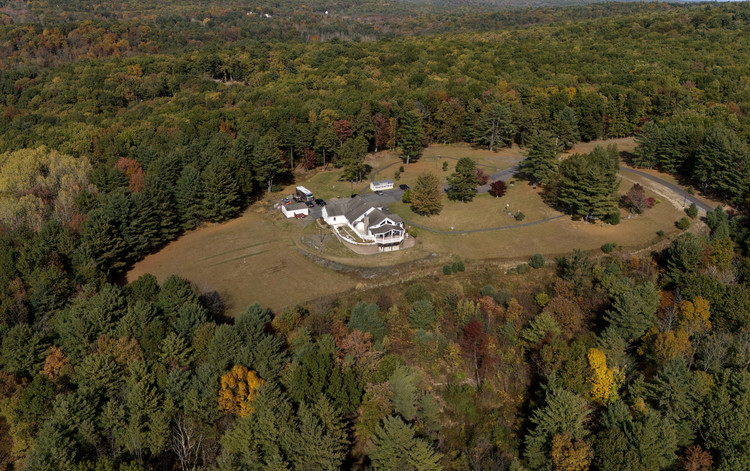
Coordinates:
463 182
541 160
588 181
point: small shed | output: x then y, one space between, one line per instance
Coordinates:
381 185
295 209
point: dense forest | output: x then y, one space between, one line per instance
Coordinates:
120 128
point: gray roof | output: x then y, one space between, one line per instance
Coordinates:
383 182
295 206
378 215
357 207
386 228
337 207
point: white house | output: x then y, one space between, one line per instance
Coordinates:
381 185
293 209
374 225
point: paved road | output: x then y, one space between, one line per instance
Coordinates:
671 186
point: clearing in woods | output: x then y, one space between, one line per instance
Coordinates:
254 258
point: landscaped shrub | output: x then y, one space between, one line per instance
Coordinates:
487 290
417 292
609 247
447 269
523 269
519 216
660 233
537 261
613 217
683 224
692 211
458 266
407 197
422 314
397 175
445 166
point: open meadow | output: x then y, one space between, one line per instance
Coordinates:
249 259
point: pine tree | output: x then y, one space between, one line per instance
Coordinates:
494 127
100 236
188 195
633 311
588 181
220 192
563 412
426 196
566 128
402 383
463 182
394 446
649 141
541 160
267 161
410 135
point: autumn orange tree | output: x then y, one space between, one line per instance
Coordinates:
237 393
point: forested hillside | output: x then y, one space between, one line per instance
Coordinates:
122 128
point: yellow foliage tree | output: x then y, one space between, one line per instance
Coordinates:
604 380
723 252
695 316
237 392
570 456
54 363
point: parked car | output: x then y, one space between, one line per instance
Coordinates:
300 215
309 204
403 187
379 193
320 202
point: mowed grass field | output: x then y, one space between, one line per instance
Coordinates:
551 237
246 260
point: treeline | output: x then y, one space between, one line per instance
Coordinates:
39 38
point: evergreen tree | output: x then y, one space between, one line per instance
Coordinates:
494 127
723 164
563 412
588 181
188 196
99 236
394 446
426 196
267 161
633 311
365 318
542 159
155 211
410 135
566 128
220 192
463 182
648 140
351 157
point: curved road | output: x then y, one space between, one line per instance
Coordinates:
671 186
396 194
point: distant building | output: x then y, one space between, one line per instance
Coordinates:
381 185
372 225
